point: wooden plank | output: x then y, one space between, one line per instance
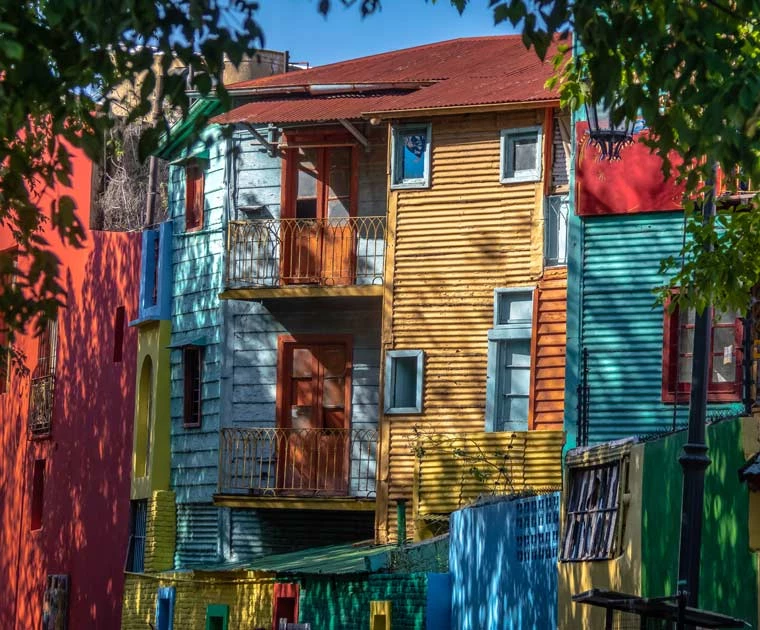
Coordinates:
294 503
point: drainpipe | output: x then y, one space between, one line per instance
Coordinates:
401 521
694 459
155 116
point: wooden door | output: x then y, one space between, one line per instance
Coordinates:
318 230
313 416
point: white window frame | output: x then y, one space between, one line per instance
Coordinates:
561 234
508 173
397 156
498 338
390 356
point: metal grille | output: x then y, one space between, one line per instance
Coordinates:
43 383
193 399
137 527
324 462
593 513
555 229
327 252
55 607
537 525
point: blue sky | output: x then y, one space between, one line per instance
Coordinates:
295 25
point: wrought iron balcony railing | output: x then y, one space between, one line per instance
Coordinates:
41 405
298 462
322 252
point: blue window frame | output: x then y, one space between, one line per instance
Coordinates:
165 608
410 148
155 273
509 360
404 381
521 155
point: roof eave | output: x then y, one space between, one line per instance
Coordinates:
461 109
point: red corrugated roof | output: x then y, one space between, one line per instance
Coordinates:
463 72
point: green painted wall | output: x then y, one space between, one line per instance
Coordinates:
342 602
729 578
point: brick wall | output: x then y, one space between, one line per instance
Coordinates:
161 531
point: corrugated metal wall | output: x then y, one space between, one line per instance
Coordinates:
455 243
454 472
197 535
550 319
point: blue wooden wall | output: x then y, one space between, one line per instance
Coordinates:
503 564
621 326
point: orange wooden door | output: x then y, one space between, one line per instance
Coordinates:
314 417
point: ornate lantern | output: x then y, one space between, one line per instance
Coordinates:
606 135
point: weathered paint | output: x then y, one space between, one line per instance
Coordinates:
622 326
248 595
153 337
449 247
548 352
622 573
502 558
85 517
728 571
160 532
506 462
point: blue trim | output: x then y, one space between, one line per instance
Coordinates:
162 308
390 355
165 623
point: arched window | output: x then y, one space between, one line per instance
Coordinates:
144 424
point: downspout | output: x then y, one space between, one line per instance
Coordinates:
155 116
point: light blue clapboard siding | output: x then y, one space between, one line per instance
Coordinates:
622 326
197 535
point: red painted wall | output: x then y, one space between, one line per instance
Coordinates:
632 184
85 518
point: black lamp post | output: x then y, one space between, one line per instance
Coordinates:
606 135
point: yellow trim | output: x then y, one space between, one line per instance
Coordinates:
302 292
380 615
295 503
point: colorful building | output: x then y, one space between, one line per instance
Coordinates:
66 431
362 255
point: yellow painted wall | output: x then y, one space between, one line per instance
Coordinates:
152 341
161 532
248 594
621 574
449 246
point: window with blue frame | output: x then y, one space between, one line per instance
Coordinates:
155 273
410 167
404 381
165 608
509 360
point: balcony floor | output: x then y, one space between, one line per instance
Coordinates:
344 504
302 291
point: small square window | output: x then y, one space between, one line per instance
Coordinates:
404 381
194 195
521 155
192 358
411 156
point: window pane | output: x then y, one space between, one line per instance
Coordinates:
517 354
514 307
307 173
723 372
725 318
687 317
524 152
513 409
340 172
686 340
684 369
338 209
413 158
723 338
404 382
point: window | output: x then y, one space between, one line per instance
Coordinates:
155 277
521 155
410 148
404 381
593 522
217 616
194 195
165 608
380 615
285 604
43 382
7 280
119 319
38 493
509 361
555 230
55 605
192 357
138 520
724 361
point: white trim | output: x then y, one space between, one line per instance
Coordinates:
508 136
388 406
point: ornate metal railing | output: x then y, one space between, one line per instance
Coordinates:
298 462
41 405
323 252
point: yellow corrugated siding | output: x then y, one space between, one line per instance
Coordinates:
514 461
453 244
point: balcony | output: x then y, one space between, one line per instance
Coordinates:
305 257
305 468
41 405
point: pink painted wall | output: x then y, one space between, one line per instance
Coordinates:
85 518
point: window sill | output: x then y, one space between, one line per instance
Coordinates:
416 185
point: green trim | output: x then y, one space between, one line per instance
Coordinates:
217 611
185 132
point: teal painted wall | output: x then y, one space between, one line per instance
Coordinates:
342 602
728 582
622 327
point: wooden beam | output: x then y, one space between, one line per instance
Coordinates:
355 133
271 148
344 504
367 290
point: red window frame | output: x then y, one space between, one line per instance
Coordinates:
192 359
672 391
194 195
